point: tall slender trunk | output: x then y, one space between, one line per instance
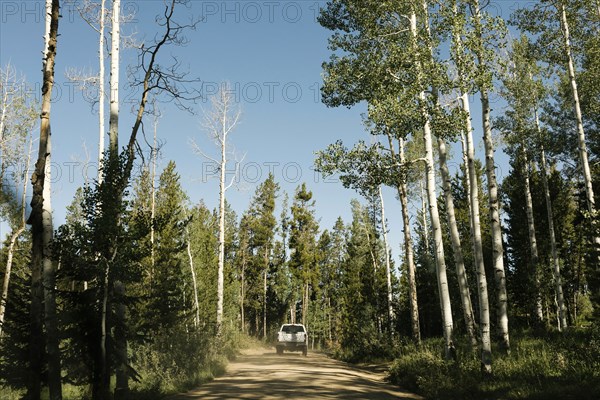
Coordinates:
408 246
461 272
194 282
266 260
583 153
7 272
494 208
120 336
424 216
40 259
114 79
243 290
4 105
482 291
13 241
539 311
473 206
49 279
388 268
440 262
101 92
153 205
221 266
558 289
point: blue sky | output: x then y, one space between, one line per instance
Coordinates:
270 52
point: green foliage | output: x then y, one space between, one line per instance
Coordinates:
14 346
554 366
362 306
257 258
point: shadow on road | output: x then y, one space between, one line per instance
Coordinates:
261 374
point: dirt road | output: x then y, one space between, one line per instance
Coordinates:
262 374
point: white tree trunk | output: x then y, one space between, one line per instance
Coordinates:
194 283
408 247
153 203
461 272
7 272
558 289
494 207
583 153
13 240
440 261
4 106
42 276
424 216
219 123
101 92
48 268
482 291
388 268
533 249
222 189
48 277
114 78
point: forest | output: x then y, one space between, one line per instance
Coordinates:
143 291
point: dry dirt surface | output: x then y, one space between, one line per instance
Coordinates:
262 374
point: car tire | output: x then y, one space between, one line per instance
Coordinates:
279 350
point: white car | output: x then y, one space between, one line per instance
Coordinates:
292 337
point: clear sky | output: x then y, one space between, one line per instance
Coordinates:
270 52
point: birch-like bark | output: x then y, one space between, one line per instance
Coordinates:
533 249
101 92
424 216
558 289
41 267
113 128
408 246
494 207
13 241
482 291
49 279
461 273
474 216
440 262
120 337
388 268
153 204
222 189
194 283
581 140
4 106
219 123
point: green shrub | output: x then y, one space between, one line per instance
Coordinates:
555 366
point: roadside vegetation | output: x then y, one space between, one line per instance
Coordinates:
142 291
549 365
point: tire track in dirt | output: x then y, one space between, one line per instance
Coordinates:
262 374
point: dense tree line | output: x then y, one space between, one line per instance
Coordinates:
147 287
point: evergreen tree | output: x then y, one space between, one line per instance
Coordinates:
303 246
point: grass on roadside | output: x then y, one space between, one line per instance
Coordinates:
553 366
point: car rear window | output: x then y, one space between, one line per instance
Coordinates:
292 328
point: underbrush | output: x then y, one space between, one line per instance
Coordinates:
170 363
553 366
176 363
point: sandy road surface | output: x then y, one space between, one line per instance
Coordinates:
262 374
